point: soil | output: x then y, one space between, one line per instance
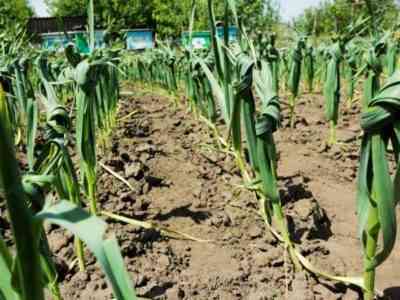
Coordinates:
182 183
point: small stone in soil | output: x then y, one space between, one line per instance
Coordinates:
255 231
135 170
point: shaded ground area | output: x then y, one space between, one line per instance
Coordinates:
180 183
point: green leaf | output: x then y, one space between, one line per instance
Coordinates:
363 186
217 90
81 224
6 289
384 197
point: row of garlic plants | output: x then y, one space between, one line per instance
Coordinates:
46 102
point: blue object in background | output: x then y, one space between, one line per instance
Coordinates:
99 39
202 39
135 40
139 39
58 41
54 42
232 31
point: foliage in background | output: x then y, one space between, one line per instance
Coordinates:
169 18
259 14
14 12
172 17
126 13
332 16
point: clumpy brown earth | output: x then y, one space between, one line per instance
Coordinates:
181 183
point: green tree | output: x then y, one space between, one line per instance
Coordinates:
172 17
123 13
333 16
14 12
259 15
168 17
